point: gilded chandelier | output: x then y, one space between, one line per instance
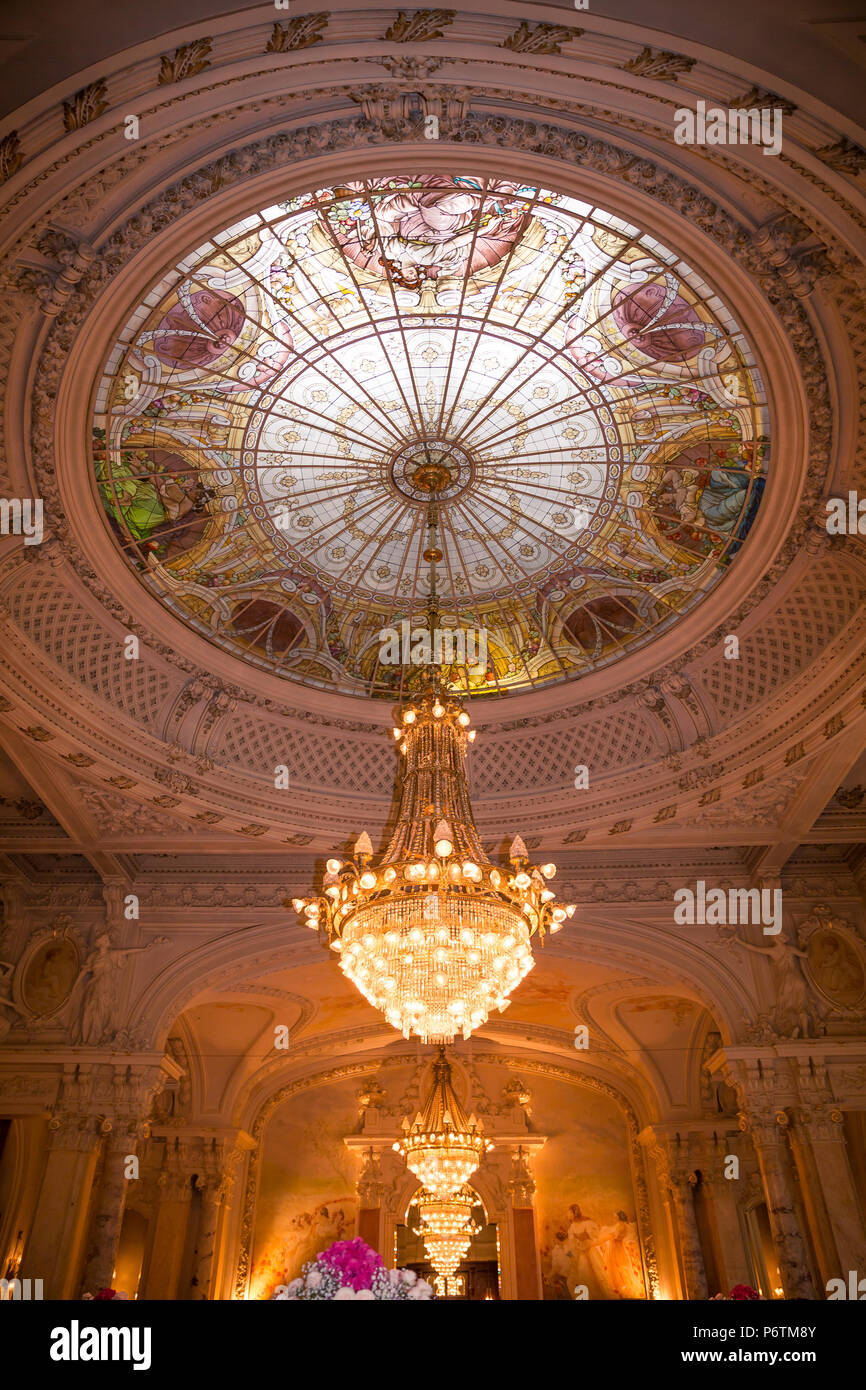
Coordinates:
447 1227
435 936
442 1146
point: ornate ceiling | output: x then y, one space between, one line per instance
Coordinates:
678 304
596 408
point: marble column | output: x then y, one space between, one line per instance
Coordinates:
768 1138
209 1217
216 1183
174 1189
731 1250
812 1193
371 1186
527 1264
54 1245
121 1142
820 1145
691 1254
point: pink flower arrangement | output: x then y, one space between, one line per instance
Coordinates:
350 1269
738 1292
103 1294
353 1261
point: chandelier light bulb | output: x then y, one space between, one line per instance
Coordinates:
443 839
334 866
363 846
463 718
549 870
409 716
518 852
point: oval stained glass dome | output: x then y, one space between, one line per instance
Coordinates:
578 405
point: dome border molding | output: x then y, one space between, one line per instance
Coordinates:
833 706
476 40
119 261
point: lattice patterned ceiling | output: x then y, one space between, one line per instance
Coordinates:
594 412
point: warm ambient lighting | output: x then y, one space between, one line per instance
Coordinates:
436 936
443 1145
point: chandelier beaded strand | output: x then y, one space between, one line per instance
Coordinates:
436 936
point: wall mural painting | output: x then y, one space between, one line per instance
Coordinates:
307 1194
599 412
587 1227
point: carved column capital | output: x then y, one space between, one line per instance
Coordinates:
521 1184
820 1123
74 1129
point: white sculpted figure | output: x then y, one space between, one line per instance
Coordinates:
792 1015
101 974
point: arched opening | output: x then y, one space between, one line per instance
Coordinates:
477 1275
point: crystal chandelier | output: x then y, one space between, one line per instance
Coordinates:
447 1227
435 935
443 1145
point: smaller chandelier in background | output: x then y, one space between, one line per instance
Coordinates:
443 1145
447 1227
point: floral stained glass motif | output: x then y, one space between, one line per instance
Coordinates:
597 414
